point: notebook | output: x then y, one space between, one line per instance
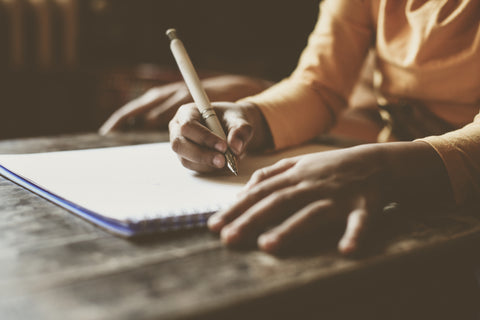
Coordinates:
133 190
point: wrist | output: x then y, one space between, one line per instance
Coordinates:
415 175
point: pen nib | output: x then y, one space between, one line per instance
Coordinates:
231 162
233 169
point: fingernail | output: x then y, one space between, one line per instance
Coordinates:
263 241
267 242
214 222
346 246
221 146
219 161
229 235
237 146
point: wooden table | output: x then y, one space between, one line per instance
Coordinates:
54 265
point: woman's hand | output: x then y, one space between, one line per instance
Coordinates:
155 108
201 150
304 195
294 202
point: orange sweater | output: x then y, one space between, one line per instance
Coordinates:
427 50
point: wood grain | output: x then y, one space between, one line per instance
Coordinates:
54 265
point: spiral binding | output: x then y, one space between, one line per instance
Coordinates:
187 218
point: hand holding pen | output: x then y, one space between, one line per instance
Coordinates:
204 148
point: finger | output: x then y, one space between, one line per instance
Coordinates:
135 107
117 119
196 157
248 199
268 172
354 232
240 132
201 135
163 113
267 212
299 227
189 124
198 167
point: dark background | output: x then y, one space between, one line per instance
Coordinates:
122 50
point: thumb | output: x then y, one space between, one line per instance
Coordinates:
240 131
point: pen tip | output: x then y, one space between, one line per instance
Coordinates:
171 33
232 166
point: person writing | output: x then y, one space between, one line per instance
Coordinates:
427 87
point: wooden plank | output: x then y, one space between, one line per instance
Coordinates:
83 141
54 265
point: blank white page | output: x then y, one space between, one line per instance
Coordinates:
134 183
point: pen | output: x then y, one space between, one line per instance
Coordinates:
198 93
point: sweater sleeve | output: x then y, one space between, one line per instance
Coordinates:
460 152
308 102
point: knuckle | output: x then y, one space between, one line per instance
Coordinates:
181 109
283 162
184 109
185 126
172 125
259 174
189 107
292 178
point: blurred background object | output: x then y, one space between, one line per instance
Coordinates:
66 65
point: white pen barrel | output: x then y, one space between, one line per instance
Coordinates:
194 86
198 93
214 124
